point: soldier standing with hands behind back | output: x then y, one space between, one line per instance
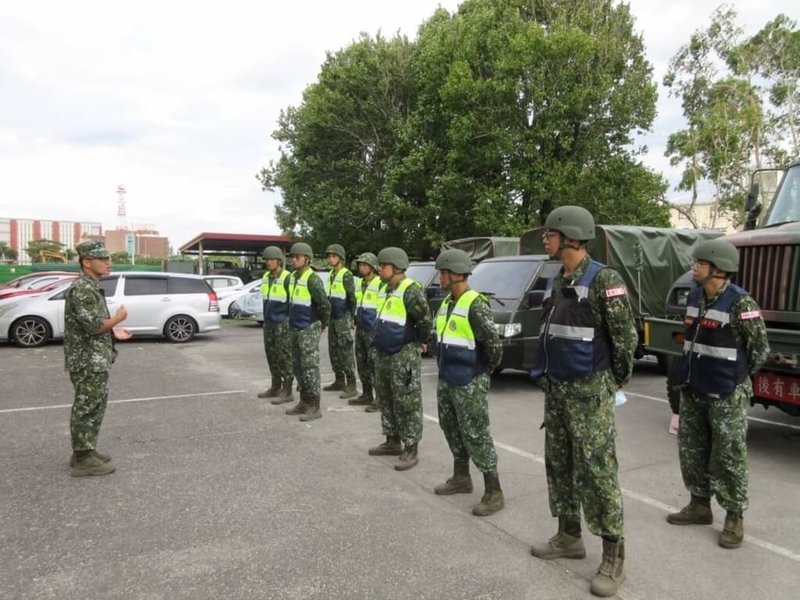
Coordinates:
585 355
366 313
468 350
726 344
277 335
342 296
89 333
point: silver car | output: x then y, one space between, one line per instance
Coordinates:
172 305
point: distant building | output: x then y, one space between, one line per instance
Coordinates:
138 242
706 216
18 233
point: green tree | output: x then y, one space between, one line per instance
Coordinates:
44 250
120 258
7 253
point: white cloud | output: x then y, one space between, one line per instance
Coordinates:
177 100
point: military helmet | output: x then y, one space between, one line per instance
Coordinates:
393 256
337 249
455 261
272 252
574 222
720 252
368 258
301 249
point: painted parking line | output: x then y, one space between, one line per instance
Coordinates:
749 418
769 546
126 401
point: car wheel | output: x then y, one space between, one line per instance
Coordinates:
180 329
30 332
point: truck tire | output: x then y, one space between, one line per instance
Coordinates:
673 385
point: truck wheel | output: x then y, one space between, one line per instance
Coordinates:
673 385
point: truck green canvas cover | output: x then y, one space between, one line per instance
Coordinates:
479 248
649 259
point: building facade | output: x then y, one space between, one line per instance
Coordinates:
18 233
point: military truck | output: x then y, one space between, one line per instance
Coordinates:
769 269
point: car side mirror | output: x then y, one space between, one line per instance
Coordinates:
535 298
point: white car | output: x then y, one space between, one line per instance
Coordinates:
174 305
228 296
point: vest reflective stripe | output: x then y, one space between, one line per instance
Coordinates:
457 356
391 330
301 312
713 351
713 364
570 346
276 300
367 310
570 332
336 292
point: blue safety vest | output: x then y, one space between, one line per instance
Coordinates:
457 352
570 345
336 293
713 364
301 310
392 330
368 300
276 299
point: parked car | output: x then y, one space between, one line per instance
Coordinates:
223 282
33 283
227 296
249 306
172 305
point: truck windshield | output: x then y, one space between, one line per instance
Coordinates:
786 207
507 280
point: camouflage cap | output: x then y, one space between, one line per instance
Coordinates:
92 249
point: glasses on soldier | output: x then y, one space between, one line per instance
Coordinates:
699 264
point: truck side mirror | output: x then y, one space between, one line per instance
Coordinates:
535 298
752 206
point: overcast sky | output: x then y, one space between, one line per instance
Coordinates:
177 100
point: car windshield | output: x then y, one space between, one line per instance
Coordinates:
786 208
420 273
503 279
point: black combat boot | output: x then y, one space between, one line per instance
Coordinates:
408 458
350 390
697 512
313 411
459 483
611 574
286 393
273 391
493 499
391 447
335 386
567 543
365 397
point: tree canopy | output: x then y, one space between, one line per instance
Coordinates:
489 119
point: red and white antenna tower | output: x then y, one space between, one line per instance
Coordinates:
122 217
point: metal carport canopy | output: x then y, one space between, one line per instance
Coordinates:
238 244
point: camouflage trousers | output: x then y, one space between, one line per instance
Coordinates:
340 346
712 447
581 461
278 347
398 387
91 396
464 419
364 358
305 361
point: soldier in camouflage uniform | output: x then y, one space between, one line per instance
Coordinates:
402 326
89 333
367 299
585 355
726 344
309 314
277 336
342 296
468 350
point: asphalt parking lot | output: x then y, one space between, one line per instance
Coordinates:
218 494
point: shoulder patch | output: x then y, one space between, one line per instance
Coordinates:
615 291
750 314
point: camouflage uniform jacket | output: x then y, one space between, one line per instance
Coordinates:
615 316
752 333
85 349
319 298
